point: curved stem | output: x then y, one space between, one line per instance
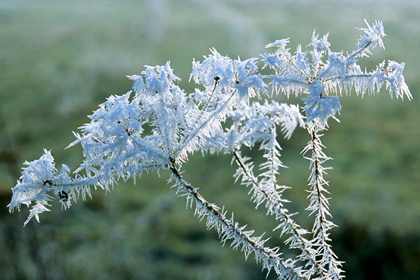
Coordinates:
228 229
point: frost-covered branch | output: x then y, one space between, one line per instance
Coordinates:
319 206
274 206
158 126
228 229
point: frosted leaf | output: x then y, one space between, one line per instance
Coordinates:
395 82
372 38
302 64
36 210
138 84
319 45
320 108
335 67
281 44
39 170
214 68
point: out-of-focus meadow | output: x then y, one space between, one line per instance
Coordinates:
60 59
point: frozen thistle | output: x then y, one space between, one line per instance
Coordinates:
157 125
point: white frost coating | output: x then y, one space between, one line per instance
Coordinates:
158 126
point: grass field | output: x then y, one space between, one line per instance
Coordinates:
60 59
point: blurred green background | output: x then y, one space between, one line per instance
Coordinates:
60 59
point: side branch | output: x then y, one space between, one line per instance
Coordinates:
319 206
287 225
230 230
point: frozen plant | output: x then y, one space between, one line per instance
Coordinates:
157 125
